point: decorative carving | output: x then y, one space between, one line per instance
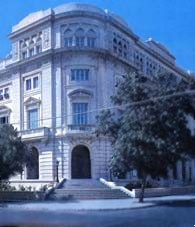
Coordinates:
15 51
80 139
46 38
32 101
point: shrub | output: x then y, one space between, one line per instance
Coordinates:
5 186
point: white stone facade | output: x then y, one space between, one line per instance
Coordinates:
65 57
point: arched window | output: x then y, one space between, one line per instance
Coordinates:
114 41
120 44
31 48
115 45
68 38
91 37
80 37
120 48
24 50
39 45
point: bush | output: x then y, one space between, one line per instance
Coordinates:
44 188
21 188
5 186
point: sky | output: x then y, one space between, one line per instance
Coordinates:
170 22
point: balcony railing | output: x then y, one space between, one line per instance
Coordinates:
81 128
35 133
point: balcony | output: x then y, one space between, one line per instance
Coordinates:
81 128
34 134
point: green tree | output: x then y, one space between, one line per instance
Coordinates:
148 133
13 152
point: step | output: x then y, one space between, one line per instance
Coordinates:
88 194
72 196
84 183
86 189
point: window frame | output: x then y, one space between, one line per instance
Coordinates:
80 114
28 87
35 82
79 74
33 85
29 122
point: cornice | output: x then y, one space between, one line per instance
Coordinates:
31 26
99 52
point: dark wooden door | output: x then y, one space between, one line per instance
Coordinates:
81 164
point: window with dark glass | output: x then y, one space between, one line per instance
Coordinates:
79 74
33 119
1 94
38 49
90 42
80 41
6 93
35 82
68 42
4 120
24 55
31 52
80 115
28 85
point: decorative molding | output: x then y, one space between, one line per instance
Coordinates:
32 101
80 93
5 109
80 140
46 38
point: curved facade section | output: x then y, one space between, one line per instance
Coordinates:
65 65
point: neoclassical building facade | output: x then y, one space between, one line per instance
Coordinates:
63 68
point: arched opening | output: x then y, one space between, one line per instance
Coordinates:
80 37
32 167
68 38
39 45
91 37
81 163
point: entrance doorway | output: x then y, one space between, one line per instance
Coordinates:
32 167
81 163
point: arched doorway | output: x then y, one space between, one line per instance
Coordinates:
32 167
80 163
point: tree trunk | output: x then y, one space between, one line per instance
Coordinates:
141 198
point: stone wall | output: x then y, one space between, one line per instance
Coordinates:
154 192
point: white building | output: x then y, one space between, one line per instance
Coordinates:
65 61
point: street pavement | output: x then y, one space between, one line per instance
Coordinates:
157 212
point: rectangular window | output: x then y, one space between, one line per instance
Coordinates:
91 42
6 93
28 85
4 120
31 52
35 82
79 74
24 55
80 41
133 173
33 119
1 94
80 115
38 49
68 42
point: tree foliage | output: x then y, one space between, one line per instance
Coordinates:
13 152
148 133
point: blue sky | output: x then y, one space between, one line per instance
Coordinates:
171 22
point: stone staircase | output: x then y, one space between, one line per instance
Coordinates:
86 189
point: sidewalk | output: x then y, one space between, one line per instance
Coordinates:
81 205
